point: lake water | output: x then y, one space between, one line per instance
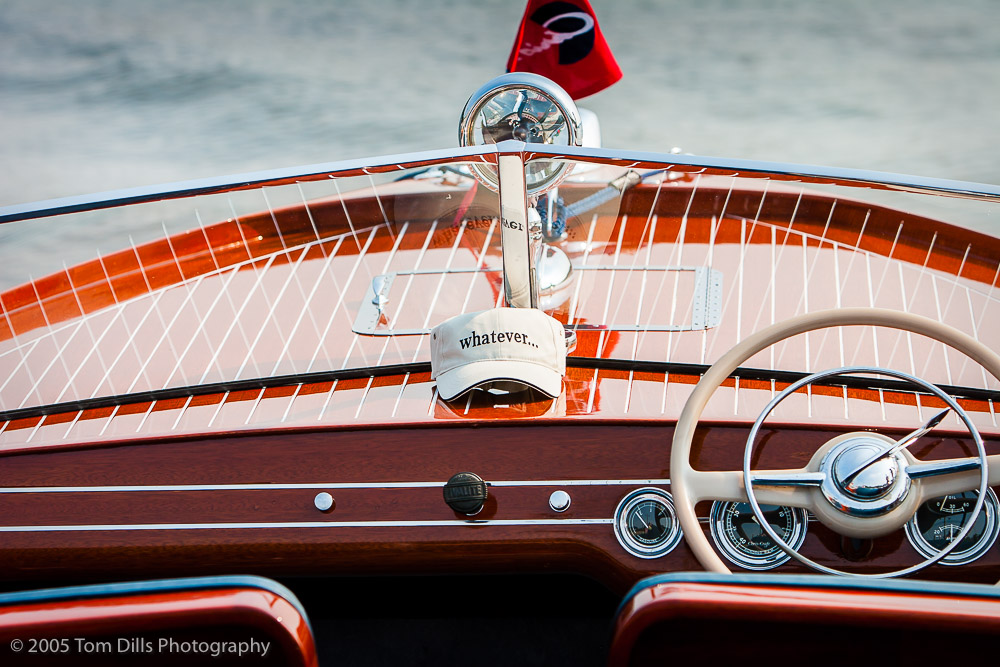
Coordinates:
107 94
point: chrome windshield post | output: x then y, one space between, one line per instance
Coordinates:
520 289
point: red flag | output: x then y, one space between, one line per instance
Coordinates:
560 39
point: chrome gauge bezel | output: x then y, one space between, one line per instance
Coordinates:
635 547
539 85
734 554
991 511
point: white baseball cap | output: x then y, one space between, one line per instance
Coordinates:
507 348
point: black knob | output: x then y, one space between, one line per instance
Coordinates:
465 493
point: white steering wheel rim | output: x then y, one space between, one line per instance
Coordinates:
681 471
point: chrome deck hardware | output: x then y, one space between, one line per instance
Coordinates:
701 285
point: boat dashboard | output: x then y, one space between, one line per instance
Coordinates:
587 498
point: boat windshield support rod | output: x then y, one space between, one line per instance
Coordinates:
520 289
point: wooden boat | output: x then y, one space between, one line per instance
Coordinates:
246 389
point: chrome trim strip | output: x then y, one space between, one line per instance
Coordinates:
906 183
302 524
813 173
321 485
230 183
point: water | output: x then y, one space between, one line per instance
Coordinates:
107 94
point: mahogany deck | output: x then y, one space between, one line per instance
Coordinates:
277 292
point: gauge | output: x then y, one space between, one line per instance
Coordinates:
938 522
645 523
524 107
742 540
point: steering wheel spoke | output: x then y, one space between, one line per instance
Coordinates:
716 485
790 487
948 476
946 467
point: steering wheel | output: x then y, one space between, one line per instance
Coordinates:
837 471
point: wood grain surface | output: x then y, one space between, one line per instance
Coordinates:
374 526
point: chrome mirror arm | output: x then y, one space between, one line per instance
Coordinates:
521 236
520 289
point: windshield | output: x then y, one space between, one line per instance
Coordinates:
657 262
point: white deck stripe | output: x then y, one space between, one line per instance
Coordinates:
305 205
201 330
236 318
295 275
347 214
37 426
270 317
107 375
145 416
256 402
342 293
149 286
611 283
306 307
326 403
48 324
111 418
402 388
72 424
180 413
291 402
385 218
679 249
130 343
215 414
574 303
19 348
641 335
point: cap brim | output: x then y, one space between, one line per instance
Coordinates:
459 380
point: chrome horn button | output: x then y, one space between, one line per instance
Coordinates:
875 490
874 481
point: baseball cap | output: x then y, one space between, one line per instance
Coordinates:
505 348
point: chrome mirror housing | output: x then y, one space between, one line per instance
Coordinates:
524 107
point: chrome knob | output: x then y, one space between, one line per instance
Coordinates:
323 501
559 501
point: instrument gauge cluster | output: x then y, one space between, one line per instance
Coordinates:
739 536
939 520
646 524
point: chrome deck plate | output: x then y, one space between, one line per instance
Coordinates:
376 316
